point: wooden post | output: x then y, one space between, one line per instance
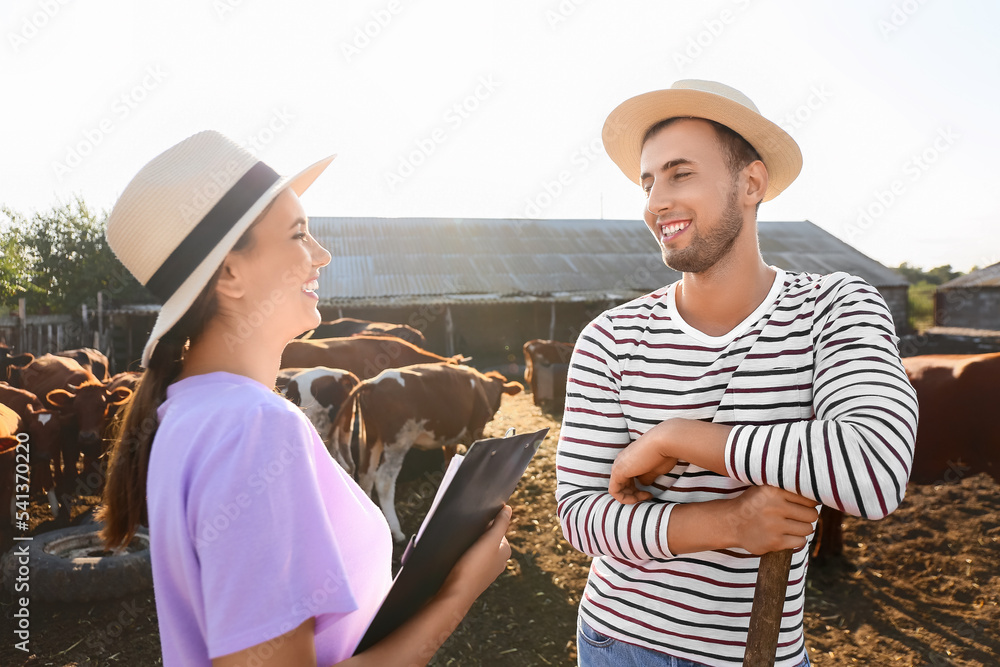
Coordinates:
22 315
449 333
768 604
100 318
552 322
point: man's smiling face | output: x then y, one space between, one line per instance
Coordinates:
692 205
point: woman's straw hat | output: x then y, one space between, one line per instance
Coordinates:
183 211
627 125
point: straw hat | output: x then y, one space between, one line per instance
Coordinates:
628 123
183 212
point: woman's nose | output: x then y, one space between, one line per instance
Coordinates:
321 256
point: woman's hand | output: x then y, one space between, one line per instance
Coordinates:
483 562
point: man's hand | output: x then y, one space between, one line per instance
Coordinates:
641 461
765 518
657 451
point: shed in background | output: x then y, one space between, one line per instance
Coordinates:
482 287
971 301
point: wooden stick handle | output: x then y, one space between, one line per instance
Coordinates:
768 603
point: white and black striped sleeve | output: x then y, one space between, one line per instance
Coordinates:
594 430
856 454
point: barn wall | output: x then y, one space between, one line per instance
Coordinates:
969 308
491 333
897 299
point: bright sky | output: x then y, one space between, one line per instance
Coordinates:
494 109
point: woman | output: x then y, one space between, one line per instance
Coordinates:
264 551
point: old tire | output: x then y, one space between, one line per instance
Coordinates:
71 565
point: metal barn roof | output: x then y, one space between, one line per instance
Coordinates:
985 277
413 261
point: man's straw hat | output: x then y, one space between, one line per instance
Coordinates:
628 123
183 211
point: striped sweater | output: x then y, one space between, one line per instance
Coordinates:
820 404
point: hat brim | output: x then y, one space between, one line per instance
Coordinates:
179 302
627 125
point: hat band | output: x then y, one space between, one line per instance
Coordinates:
207 234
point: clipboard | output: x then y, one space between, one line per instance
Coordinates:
483 482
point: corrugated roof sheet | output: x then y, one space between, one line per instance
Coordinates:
985 277
406 261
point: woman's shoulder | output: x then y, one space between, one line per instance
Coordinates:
225 397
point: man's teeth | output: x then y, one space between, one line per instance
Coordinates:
673 228
311 286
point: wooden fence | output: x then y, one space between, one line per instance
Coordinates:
42 334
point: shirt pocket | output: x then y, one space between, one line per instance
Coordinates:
768 396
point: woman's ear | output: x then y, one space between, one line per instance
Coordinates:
757 180
230 283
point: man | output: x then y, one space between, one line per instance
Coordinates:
704 422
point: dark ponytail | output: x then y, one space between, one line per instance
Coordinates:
124 502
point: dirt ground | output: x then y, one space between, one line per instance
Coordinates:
921 587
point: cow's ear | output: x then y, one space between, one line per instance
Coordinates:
349 381
119 396
60 398
22 360
513 388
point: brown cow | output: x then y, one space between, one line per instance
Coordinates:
11 365
546 365
8 479
88 403
427 406
365 356
348 326
958 433
49 372
321 392
42 427
128 379
91 359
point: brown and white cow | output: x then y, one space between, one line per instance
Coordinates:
90 359
958 431
321 392
284 375
424 406
365 356
546 365
348 326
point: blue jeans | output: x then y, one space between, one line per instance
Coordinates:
594 649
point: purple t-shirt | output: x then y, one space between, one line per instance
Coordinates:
254 528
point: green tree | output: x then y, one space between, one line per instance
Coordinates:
939 275
63 261
15 269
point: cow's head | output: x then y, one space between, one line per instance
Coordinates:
498 386
89 402
331 391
